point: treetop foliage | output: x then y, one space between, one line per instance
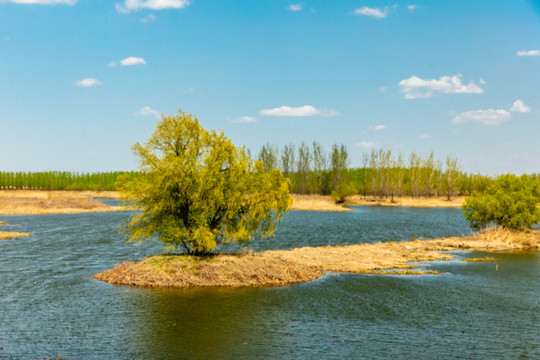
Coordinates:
197 190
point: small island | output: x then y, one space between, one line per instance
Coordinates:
285 267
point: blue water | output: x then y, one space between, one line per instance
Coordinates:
51 307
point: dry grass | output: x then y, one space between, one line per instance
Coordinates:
325 203
316 203
495 239
484 259
5 235
221 270
406 201
281 267
33 202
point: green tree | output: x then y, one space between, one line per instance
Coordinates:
510 202
303 169
197 190
451 177
269 156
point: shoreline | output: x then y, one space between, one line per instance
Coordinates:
38 202
286 267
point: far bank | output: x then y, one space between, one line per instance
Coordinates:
35 202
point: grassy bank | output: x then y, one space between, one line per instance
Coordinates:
34 202
406 201
282 267
326 203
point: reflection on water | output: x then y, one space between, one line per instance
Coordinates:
52 307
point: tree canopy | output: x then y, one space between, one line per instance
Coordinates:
198 190
511 202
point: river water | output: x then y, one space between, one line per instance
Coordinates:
51 307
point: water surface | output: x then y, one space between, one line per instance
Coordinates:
52 307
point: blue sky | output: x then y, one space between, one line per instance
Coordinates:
83 80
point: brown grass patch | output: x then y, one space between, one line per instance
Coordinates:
326 203
484 259
495 239
315 203
33 202
406 201
282 267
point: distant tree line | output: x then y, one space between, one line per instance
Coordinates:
60 180
384 174
312 169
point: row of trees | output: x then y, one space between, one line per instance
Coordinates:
314 170
59 180
311 169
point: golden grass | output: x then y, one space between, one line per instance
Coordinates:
5 235
33 202
325 202
484 259
315 203
406 201
495 239
282 267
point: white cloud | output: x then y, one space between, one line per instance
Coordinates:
486 117
112 64
148 111
382 89
424 136
243 119
366 144
528 53
380 127
88 82
43 2
151 18
373 12
412 7
417 88
519 106
295 7
301 111
136 5
132 60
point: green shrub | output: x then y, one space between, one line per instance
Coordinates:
342 192
510 202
